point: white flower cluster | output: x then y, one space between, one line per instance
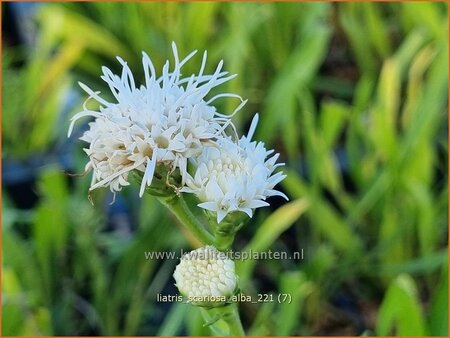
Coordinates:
169 121
206 275
235 176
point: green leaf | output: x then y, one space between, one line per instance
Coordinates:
174 320
278 222
332 118
200 22
263 323
377 28
324 217
13 314
400 312
351 21
428 16
94 36
297 73
295 285
438 314
384 115
331 225
417 266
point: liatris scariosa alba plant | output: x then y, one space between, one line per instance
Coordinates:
168 133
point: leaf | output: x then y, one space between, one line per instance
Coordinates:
384 114
52 220
356 31
13 315
173 321
400 312
416 266
331 225
428 16
377 28
332 118
200 21
94 36
297 73
263 323
295 285
438 314
324 217
278 222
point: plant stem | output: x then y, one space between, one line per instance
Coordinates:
225 231
233 320
227 314
177 205
223 241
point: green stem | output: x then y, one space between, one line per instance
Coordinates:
218 316
225 231
223 241
177 205
233 320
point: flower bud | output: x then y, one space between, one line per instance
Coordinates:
206 277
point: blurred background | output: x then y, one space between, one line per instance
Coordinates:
353 95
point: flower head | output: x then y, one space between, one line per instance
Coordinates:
235 176
167 120
207 275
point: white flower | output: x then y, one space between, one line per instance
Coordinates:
167 120
206 274
235 176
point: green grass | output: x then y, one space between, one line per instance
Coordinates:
354 96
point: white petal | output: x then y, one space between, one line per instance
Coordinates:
257 204
211 206
148 175
221 215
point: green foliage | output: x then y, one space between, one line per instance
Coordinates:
267 233
353 95
438 315
68 258
33 97
401 309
